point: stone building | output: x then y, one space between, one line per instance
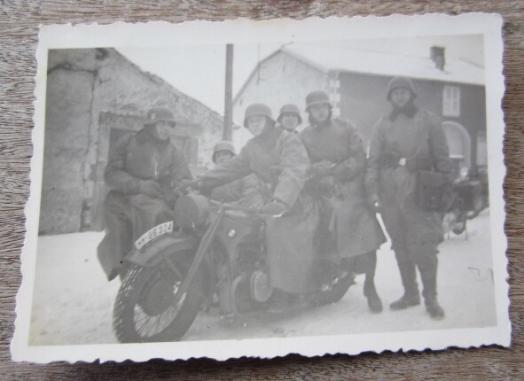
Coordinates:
94 96
356 81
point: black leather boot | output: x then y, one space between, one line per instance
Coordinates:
428 272
374 302
408 276
435 311
407 300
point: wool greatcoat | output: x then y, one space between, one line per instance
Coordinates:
401 145
280 161
247 192
341 190
128 213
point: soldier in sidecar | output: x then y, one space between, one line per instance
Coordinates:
245 192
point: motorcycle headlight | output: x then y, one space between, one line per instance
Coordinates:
191 210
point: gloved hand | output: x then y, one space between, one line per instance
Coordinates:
182 187
374 203
322 168
201 186
150 188
274 208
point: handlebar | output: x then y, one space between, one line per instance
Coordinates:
185 189
233 207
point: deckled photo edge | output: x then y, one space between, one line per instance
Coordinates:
142 352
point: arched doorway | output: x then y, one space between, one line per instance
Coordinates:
459 142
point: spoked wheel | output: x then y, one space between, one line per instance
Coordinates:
149 306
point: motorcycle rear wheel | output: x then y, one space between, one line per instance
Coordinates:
145 309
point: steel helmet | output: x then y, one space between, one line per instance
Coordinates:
290 109
223 146
318 97
401 82
160 114
257 109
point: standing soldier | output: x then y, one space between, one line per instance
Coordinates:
289 118
278 158
337 181
141 173
405 142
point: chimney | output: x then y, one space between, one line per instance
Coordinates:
438 56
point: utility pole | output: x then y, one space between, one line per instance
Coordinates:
227 133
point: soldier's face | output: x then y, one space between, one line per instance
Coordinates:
163 130
289 121
400 97
223 156
256 124
320 112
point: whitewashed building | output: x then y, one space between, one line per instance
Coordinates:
356 81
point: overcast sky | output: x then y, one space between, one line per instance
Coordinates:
199 71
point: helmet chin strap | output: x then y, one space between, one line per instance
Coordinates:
323 123
409 109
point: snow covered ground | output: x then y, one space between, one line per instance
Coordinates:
72 302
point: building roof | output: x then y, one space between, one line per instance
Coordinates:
342 58
347 59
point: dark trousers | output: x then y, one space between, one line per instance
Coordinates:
427 262
364 264
415 235
127 218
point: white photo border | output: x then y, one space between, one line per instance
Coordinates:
206 32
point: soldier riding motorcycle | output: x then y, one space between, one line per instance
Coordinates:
214 256
235 258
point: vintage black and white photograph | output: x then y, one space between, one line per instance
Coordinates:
265 189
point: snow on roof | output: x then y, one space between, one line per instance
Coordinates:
343 58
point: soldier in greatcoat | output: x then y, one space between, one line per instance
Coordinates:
142 171
406 141
280 161
337 180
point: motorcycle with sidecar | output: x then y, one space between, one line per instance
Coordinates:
213 255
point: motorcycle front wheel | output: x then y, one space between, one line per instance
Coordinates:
148 307
335 290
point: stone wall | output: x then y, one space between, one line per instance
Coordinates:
82 86
66 146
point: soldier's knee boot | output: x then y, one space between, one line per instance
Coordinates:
408 275
428 272
434 309
374 302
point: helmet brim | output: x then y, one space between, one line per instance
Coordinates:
172 123
279 119
316 103
413 94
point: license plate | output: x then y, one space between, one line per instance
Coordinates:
154 232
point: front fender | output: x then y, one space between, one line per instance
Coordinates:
153 253
170 245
